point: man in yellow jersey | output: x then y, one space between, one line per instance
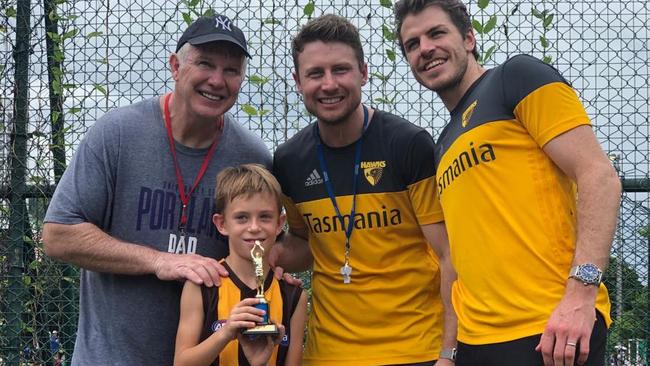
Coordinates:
358 184
529 251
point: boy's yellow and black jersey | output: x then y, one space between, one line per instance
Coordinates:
219 301
510 211
391 311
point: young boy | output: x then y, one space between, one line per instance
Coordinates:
212 319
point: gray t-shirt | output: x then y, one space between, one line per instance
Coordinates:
122 179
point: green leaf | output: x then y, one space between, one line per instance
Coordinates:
53 15
537 14
193 3
103 61
547 21
72 17
58 56
93 34
187 18
33 265
489 53
272 20
69 86
264 112
56 72
543 41
478 27
101 89
388 33
209 12
386 4
547 59
390 54
70 34
482 4
383 100
74 110
249 109
379 76
56 87
11 12
54 36
27 280
55 116
258 80
3 29
491 23
309 9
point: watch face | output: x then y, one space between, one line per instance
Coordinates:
589 272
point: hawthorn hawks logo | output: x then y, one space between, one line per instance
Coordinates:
373 170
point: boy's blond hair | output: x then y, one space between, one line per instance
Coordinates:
245 180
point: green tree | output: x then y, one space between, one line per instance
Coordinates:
644 231
634 304
630 283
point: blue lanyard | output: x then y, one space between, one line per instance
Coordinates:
328 183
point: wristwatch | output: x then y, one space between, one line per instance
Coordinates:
588 274
449 353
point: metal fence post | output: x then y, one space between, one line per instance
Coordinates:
57 119
18 207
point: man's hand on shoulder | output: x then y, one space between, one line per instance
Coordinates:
287 277
277 252
192 267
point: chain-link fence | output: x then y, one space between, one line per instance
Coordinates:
64 63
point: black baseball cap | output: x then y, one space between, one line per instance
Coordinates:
214 28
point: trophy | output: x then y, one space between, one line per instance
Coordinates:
265 327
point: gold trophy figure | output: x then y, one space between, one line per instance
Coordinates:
265 327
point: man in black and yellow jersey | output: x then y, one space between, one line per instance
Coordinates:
528 250
358 184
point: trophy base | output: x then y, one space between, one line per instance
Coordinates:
262 329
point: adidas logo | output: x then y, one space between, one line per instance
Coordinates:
313 179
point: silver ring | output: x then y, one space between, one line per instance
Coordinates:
570 344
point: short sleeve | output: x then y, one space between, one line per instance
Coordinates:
543 101
85 190
421 179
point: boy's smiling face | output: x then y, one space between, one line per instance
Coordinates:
248 218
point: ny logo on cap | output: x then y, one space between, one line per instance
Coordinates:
223 23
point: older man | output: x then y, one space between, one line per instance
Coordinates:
134 207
